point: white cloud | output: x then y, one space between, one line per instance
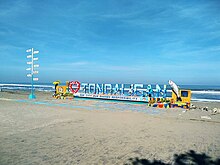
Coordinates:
131 68
13 8
92 66
79 63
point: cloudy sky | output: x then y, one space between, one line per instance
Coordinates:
112 41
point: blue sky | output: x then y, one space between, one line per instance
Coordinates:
126 41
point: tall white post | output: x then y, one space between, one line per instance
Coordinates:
33 71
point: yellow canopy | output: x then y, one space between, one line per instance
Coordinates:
56 82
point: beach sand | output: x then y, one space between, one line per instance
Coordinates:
49 131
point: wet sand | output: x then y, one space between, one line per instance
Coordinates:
49 131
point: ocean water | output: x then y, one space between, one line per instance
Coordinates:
199 92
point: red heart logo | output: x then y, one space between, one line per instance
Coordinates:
74 86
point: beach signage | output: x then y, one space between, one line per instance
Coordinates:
74 86
32 68
118 89
154 96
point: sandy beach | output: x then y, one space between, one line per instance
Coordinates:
49 131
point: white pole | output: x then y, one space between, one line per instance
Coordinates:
31 68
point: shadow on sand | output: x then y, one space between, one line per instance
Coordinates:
190 157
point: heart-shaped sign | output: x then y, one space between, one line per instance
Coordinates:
74 86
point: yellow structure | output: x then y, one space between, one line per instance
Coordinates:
56 82
184 94
62 92
61 89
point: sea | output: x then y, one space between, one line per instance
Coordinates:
207 93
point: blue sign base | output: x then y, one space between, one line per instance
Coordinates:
32 96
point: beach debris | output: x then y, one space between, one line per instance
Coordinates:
205 117
205 108
193 106
216 110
